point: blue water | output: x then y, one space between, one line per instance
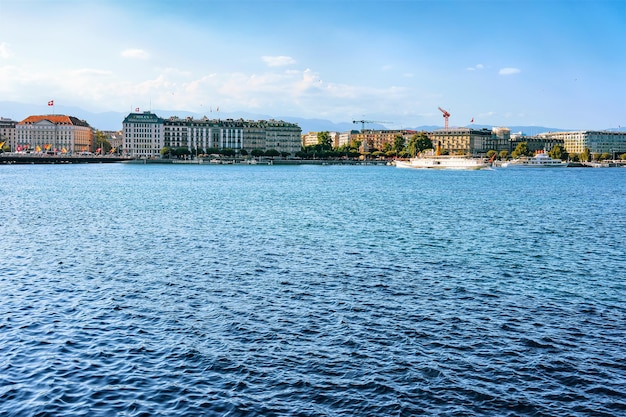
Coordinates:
153 290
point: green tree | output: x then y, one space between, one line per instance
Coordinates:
504 155
102 143
585 155
521 150
272 152
491 153
419 143
243 152
256 152
399 143
558 152
324 140
623 157
166 151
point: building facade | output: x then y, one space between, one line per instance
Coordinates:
466 141
54 133
7 134
145 134
613 143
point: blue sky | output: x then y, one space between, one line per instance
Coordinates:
544 62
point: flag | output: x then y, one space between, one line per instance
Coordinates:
47 146
38 149
19 148
472 120
63 150
136 109
98 150
2 144
51 103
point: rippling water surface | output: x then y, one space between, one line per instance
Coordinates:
315 291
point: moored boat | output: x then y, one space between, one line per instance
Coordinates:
541 160
444 162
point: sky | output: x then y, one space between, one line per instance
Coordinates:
496 62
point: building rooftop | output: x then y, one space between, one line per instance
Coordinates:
57 119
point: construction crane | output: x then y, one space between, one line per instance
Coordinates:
445 117
366 121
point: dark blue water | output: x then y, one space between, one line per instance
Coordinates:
313 291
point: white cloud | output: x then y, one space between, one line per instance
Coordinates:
475 67
278 61
5 51
135 53
509 71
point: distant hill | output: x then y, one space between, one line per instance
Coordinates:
113 120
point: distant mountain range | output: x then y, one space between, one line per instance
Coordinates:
113 120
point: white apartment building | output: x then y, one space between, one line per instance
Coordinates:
145 134
7 133
599 142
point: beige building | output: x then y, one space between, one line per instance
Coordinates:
54 133
613 143
466 141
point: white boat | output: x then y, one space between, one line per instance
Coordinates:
541 160
443 162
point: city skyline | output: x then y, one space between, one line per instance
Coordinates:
551 63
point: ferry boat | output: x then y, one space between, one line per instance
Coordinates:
444 162
541 160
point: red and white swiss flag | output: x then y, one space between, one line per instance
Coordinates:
51 103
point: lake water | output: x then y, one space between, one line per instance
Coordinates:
177 290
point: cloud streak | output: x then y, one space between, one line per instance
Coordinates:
278 61
135 54
509 71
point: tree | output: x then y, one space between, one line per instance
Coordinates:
504 155
272 152
585 155
243 152
558 152
521 150
419 143
256 152
324 140
285 154
102 143
166 151
399 144
491 153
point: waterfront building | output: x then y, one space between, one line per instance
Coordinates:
377 139
7 133
145 134
54 133
311 139
467 141
598 142
115 138
535 143
344 138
